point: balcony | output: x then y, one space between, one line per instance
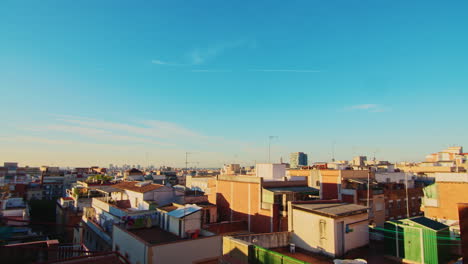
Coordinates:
118 208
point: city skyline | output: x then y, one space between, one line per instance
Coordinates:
89 84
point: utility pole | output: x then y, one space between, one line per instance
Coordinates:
407 199
186 160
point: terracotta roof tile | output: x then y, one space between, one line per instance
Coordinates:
131 186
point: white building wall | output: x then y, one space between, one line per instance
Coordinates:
270 171
164 195
136 199
174 225
128 244
193 221
360 235
306 232
398 177
451 177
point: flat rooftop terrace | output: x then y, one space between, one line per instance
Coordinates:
155 235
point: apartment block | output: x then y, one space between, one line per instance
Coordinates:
298 159
441 198
261 203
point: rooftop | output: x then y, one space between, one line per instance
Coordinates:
134 170
361 180
168 208
374 253
107 189
298 189
137 186
332 209
429 223
184 211
154 235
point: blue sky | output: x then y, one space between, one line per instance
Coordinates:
99 82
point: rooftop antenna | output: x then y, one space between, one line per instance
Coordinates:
186 159
269 147
406 190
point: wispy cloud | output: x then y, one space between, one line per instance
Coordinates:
200 55
107 140
165 63
284 70
159 62
367 107
101 134
364 106
149 128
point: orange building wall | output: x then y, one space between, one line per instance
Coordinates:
353 174
232 200
299 172
449 194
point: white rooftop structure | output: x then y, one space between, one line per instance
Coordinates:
184 211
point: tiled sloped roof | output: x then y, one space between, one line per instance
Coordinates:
131 186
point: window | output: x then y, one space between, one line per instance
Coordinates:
399 204
317 183
322 229
117 247
136 201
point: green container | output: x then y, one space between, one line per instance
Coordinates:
259 255
417 239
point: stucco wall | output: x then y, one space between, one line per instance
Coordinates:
188 251
449 194
359 236
193 221
174 224
267 240
236 248
132 196
270 171
236 200
164 195
349 174
128 244
307 234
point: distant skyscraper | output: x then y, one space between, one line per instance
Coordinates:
298 159
359 161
